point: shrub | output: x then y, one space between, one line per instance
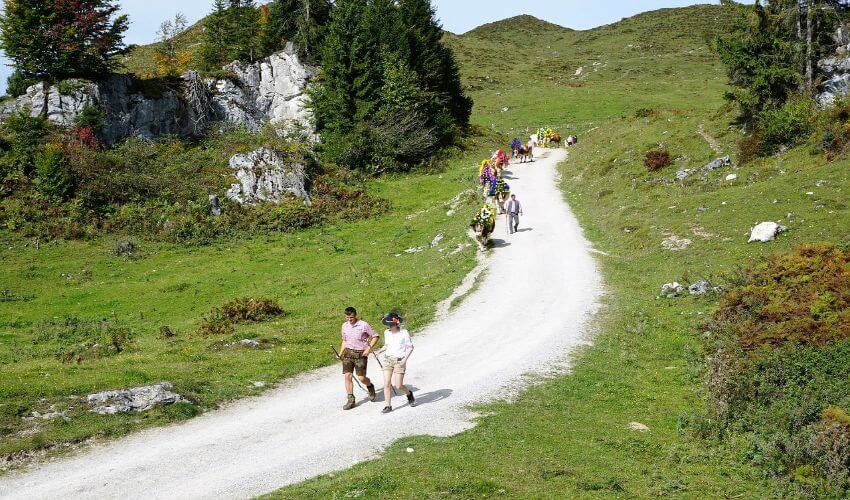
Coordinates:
646 113
248 310
22 134
51 175
656 159
830 447
798 297
90 116
215 324
785 126
778 346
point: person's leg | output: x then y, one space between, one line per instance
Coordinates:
349 383
360 366
388 386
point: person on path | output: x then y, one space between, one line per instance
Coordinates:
397 349
358 339
514 209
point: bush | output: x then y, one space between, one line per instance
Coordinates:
778 346
785 126
248 310
656 159
216 324
798 297
22 134
125 247
51 175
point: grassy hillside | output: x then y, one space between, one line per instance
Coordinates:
60 297
647 82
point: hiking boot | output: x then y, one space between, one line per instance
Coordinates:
371 389
411 400
387 409
351 403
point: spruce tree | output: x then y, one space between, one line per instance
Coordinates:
242 29
334 100
434 63
300 21
214 51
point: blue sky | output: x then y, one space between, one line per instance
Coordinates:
457 16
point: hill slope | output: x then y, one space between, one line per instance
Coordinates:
646 82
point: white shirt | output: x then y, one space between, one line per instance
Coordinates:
397 344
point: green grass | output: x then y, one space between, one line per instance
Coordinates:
568 437
313 274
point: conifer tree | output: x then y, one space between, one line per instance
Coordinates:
434 63
214 51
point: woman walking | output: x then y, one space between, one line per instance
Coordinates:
396 351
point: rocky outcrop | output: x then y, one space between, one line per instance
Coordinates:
269 91
128 111
137 399
835 70
267 175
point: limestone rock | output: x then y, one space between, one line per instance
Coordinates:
127 111
271 90
764 232
672 290
215 206
267 175
136 399
702 287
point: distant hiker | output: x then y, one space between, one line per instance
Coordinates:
514 209
358 338
397 349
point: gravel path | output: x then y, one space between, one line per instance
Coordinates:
540 287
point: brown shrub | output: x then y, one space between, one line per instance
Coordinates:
223 321
656 159
248 310
798 297
750 148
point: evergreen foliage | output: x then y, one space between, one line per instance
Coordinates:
300 21
389 91
17 84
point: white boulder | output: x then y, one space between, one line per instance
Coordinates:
764 232
267 175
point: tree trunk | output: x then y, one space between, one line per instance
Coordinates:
809 48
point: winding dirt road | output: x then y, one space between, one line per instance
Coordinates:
539 289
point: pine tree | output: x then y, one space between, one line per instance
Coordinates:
300 21
334 100
214 50
54 40
242 29
435 65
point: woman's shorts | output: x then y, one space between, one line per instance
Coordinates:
394 365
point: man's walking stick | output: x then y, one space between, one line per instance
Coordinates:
353 375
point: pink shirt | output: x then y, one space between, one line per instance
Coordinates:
355 336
